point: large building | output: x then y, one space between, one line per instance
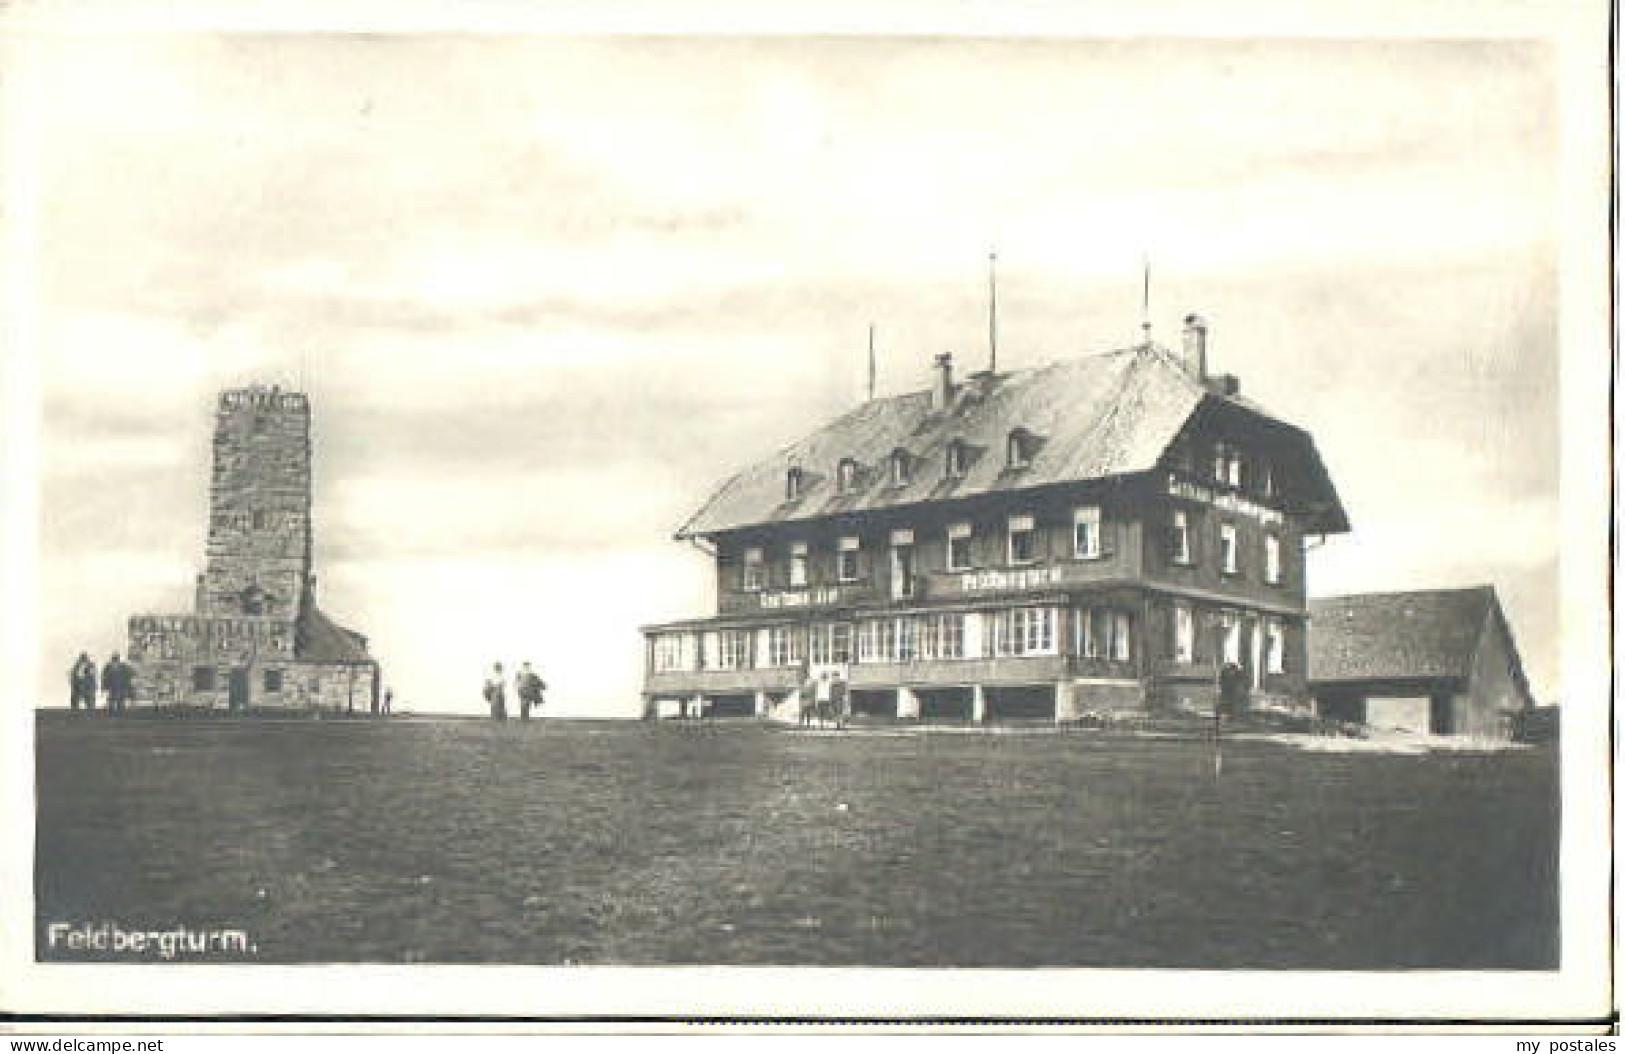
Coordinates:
1439 661
255 637
1096 535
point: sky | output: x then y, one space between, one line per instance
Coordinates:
545 293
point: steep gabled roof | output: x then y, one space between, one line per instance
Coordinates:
1087 418
1425 635
318 638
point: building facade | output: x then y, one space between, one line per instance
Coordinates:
1097 535
1441 662
255 637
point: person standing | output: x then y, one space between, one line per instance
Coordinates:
530 687
82 682
389 701
496 695
118 679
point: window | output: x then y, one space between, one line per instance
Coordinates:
1084 641
1102 633
1023 534
908 639
1016 453
727 649
1274 646
942 636
1266 478
876 640
846 559
1227 464
846 475
798 564
1179 537
1024 631
783 646
1086 532
1122 643
1231 625
750 578
902 564
1272 559
830 642
262 519
959 543
1184 634
673 652
1227 549
203 678
899 467
954 465
792 483
273 680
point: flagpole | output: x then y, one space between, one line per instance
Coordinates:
992 313
1145 299
871 361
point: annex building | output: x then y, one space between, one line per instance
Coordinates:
1440 661
255 637
1096 535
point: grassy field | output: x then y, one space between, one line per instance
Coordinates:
556 842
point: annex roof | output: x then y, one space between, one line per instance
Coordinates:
317 638
1085 418
1426 635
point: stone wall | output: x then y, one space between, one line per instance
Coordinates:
264 684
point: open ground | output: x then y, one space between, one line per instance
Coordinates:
578 842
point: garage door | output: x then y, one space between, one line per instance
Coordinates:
1403 713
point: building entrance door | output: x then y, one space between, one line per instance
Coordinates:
237 689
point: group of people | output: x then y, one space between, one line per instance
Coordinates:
824 699
528 686
117 681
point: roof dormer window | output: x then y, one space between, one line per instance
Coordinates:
1227 464
899 465
792 483
1017 449
954 465
846 475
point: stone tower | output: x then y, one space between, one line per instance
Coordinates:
258 554
255 638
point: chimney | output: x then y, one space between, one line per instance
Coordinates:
1196 346
200 601
942 386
